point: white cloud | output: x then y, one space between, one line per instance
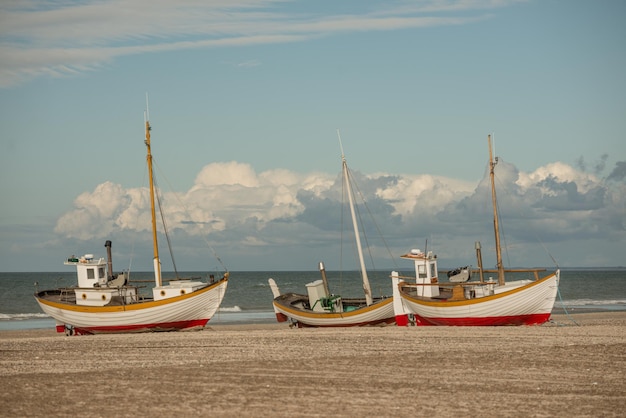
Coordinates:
278 209
95 212
232 173
560 172
413 194
49 38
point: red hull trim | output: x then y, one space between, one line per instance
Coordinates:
360 324
164 326
532 319
281 317
402 320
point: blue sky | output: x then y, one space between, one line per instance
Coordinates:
245 100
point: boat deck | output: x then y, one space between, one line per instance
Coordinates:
301 302
68 296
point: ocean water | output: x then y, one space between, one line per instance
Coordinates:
248 298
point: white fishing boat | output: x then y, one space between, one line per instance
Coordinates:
319 307
523 301
104 302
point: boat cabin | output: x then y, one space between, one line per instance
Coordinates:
94 287
425 272
91 273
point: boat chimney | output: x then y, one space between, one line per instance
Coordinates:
324 279
107 244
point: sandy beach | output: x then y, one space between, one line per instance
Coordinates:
563 368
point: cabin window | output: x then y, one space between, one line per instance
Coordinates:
101 272
421 271
433 271
90 274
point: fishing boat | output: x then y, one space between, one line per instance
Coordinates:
526 300
319 307
105 302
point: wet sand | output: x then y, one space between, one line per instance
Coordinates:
557 369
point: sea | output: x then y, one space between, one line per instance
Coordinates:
248 298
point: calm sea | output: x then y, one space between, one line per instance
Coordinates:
248 298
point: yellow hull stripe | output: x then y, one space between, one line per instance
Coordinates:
327 315
476 300
129 307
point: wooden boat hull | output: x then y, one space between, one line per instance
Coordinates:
530 304
381 312
192 310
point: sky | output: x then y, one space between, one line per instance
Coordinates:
246 98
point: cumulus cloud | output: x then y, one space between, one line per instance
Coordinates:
619 172
279 210
49 38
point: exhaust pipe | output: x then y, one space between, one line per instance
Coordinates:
109 260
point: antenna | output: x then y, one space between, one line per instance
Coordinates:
340 144
147 112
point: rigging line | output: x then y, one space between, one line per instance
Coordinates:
558 291
165 228
341 238
499 211
358 214
373 221
361 224
547 251
502 232
134 236
524 215
217 257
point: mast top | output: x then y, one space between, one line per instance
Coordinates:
343 157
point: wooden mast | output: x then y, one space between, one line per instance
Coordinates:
496 226
366 284
157 261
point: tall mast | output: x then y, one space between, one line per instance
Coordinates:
496 226
366 284
156 261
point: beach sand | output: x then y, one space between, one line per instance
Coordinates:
557 369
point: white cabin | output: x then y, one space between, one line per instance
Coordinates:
425 272
90 272
94 289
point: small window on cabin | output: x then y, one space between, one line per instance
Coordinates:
433 272
421 271
90 273
101 272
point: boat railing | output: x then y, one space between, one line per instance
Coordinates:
445 284
535 272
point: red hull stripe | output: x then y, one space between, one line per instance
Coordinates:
164 326
402 320
533 319
281 317
360 324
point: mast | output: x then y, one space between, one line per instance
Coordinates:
366 283
496 226
479 258
157 261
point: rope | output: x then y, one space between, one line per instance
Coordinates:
354 187
165 228
565 309
371 216
506 191
189 217
134 236
500 223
